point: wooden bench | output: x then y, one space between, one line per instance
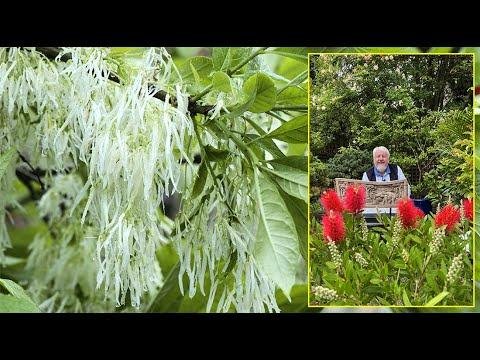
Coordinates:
380 194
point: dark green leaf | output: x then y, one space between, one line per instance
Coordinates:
215 154
298 209
200 181
169 298
232 261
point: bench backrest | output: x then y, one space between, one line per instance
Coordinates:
379 193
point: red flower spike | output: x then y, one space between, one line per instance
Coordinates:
355 198
449 216
331 201
409 214
468 208
333 227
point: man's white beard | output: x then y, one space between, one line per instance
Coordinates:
381 167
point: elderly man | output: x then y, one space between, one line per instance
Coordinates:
381 169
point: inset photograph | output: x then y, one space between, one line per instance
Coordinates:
391 180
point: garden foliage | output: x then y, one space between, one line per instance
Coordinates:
411 260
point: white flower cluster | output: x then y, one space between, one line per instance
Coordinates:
397 233
454 269
437 240
69 116
364 227
218 244
360 259
324 294
336 257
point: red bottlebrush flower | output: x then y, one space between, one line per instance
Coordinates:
333 226
449 216
331 201
477 90
409 213
355 198
468 208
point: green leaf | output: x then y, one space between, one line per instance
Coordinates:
227 58
14 289
198 66
330 265
293 131
11 304
376 281
298 301
276 247
437 299
299 211
265 144
200 181
221 82
215 154
295 162
292 96
299 54
399 264
19 297
406 301
169 298
232 261
167 256
291 180
5 160
262 89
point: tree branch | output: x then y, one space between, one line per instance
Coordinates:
33 171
